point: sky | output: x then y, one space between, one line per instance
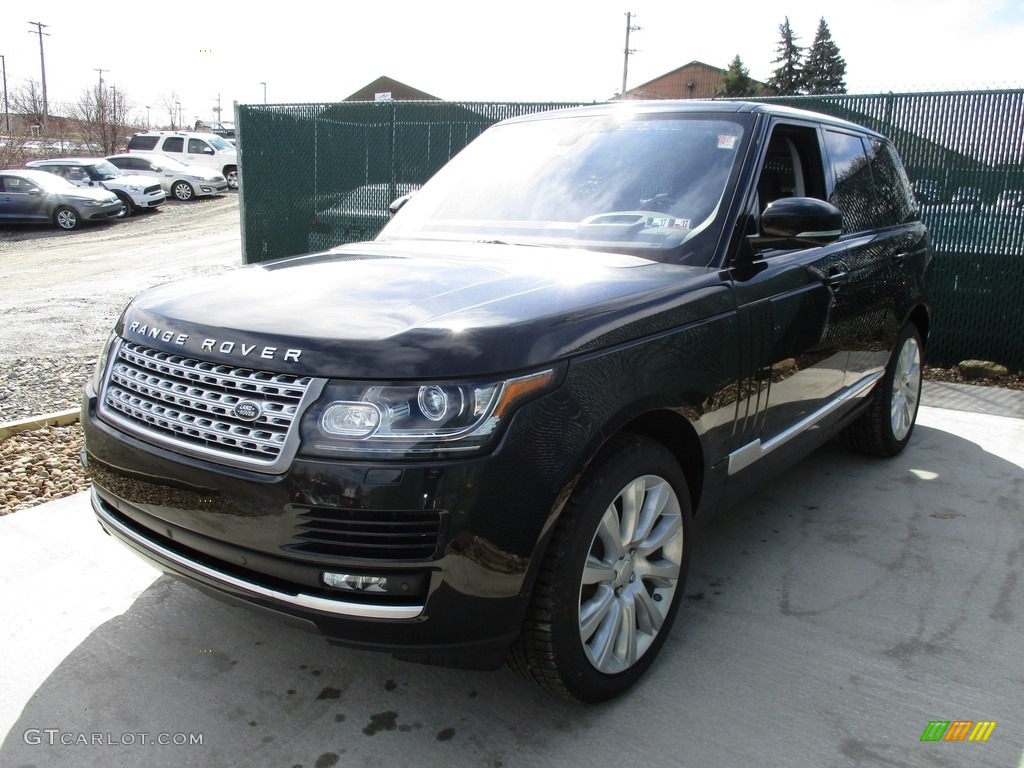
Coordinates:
566 50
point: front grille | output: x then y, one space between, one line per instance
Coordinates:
153 190
189 404
368 534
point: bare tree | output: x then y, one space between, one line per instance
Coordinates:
27 100
103 116
170 102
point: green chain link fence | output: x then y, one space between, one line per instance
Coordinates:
318 175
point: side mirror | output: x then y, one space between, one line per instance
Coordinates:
796 222
35 192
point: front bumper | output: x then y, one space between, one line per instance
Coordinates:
454 541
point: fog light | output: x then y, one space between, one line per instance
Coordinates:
355 583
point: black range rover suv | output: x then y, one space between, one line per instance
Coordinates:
485 434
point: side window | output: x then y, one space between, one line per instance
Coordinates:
854 192
892 187
3 187
199 147
174 144
142 143
792 166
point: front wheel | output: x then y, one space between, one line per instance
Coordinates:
884 429
127 209
182 190
612 578
66 218
231 174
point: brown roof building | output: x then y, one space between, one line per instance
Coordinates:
695 80
385 88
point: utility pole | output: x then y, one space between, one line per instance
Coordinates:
217 109
264 91
7 110
100 100
628 50
42 60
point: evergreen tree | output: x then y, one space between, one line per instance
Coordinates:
787 79
736 82
824 69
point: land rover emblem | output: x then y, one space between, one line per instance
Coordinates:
247 410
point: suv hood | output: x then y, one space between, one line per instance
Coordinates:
123 181
421 310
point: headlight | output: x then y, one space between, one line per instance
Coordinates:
372 420
133 188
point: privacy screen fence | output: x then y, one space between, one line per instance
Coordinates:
319 175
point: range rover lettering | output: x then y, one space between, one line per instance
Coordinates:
485 435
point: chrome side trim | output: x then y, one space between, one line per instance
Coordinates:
746 455
300 600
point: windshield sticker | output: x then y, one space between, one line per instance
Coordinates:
727 142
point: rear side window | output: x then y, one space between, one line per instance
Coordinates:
854 192
174 144
142 142
895 198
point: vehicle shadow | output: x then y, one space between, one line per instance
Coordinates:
826 622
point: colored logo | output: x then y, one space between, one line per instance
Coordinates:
958 730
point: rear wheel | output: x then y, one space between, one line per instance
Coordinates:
885 428
182 190
612 578
66 218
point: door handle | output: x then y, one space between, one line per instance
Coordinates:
837 278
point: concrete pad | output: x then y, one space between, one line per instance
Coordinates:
827 621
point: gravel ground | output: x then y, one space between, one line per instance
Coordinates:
62 293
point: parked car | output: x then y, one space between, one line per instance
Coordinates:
928 191
1010 200
136 193
967 196
485 435
191 148
180 181
358 214
28 196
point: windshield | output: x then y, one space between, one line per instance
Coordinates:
648 185
51 182
221 144
104 170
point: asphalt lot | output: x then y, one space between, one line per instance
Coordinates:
827 622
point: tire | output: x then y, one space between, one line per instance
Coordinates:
127 209
231 174
67 218
182 190
884 429
610 583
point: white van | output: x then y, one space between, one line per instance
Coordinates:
191 148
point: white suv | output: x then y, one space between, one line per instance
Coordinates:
135 192
191 148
